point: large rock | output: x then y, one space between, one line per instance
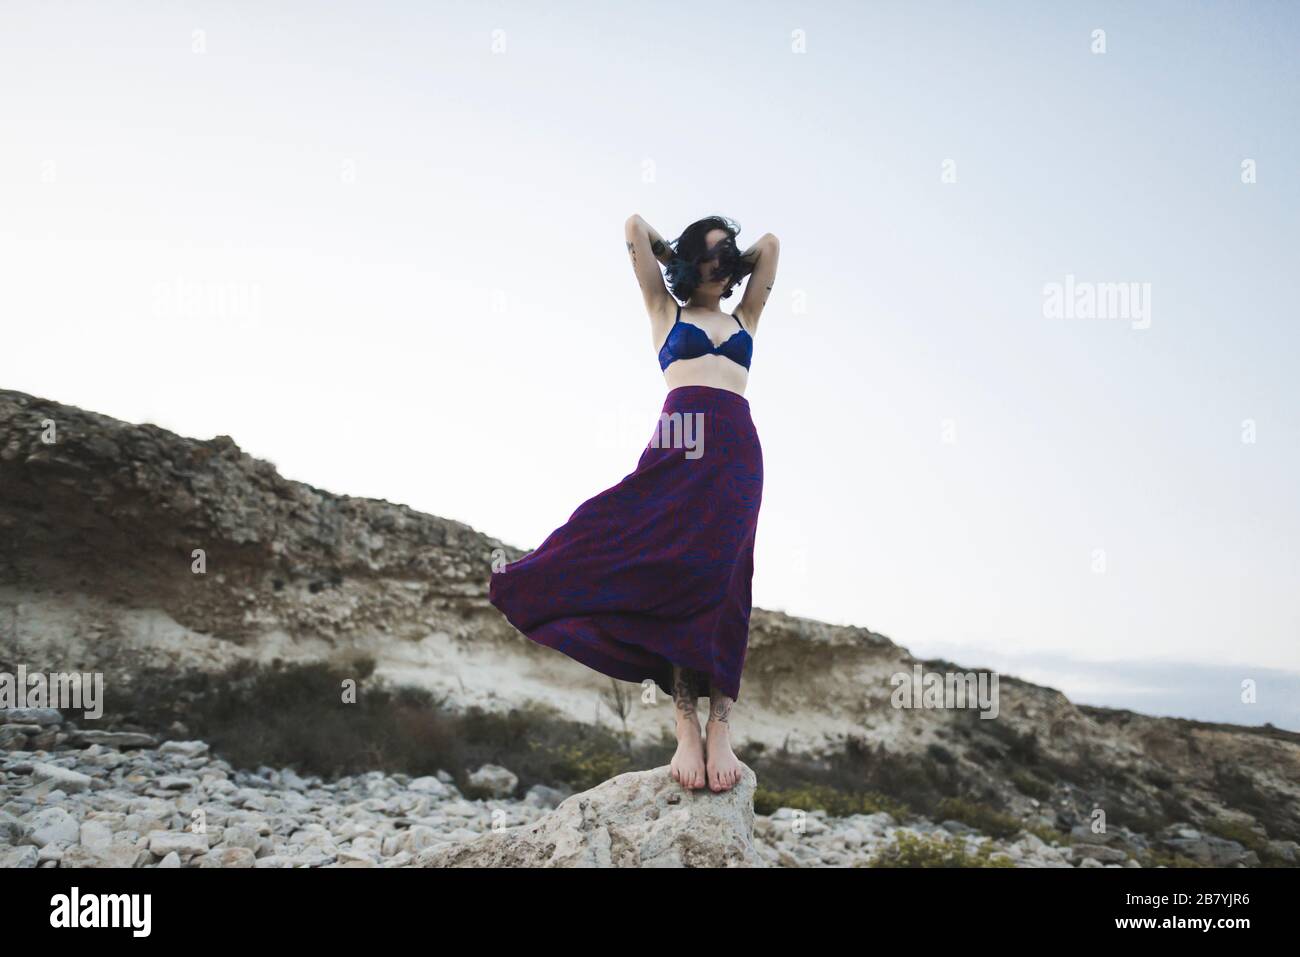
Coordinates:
115 739
185 843
638 819
66 780
38 716
50 824
496 780
227 857
1212 851
25 856
430 785
12 830
187 749
112 855
1288 851
1107 855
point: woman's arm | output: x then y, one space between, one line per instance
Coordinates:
663 252
646 247
763 255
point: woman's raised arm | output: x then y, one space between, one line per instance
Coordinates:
647 248
763 255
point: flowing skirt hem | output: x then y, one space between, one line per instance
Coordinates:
589 640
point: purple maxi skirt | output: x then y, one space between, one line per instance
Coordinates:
656 570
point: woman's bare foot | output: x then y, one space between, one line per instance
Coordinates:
687 765
722 765
688 761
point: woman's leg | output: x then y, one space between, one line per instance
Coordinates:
722 765
687 766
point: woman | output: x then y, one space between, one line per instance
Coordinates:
651 578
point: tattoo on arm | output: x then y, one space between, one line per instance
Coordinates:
631 249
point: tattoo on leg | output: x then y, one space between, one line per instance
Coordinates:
683 693
720 707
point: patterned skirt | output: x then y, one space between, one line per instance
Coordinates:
656 570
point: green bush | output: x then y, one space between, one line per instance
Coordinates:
979 816
1248 837
1028 783
833 801
911 850
1157 858
1236 831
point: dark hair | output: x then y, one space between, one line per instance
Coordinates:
689 250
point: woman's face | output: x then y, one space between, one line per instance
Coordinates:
707 266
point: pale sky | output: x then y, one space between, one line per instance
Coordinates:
381 245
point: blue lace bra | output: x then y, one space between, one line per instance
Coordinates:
688 341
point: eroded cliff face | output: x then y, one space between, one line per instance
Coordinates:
118 511
101 521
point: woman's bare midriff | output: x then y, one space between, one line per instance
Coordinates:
716 371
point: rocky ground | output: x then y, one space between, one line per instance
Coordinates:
79 798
